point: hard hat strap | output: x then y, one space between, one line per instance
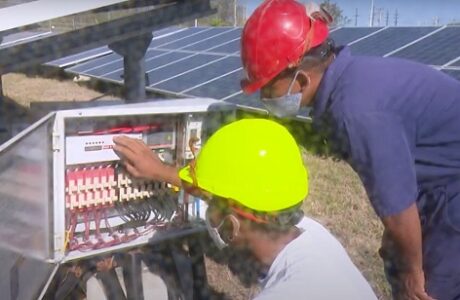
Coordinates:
290 216
191 144
250 216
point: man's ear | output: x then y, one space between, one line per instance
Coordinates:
235 227
304 79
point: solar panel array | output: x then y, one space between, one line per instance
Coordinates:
17 38
205 61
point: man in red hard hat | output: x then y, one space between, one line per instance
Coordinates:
396 122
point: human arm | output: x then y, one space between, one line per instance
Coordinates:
380 152
141 162
404 233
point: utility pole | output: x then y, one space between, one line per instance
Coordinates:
396 17
387 21
356 17
371 19
235 4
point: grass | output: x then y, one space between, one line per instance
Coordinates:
337 198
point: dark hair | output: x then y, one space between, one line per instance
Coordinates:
281 222
277 222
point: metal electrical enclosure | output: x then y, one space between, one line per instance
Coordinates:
64 196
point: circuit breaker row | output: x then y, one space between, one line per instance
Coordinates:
103 185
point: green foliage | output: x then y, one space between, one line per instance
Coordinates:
216 21
336 12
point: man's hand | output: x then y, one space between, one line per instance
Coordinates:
403 239
413 286
141 162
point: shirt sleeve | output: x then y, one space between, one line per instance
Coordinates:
380 152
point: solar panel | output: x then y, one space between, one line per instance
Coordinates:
192 39
79 57
221 87
209 72
153 63
179 67
228 47
166 31
454 73
97 52
183 34
216 41
21 37
437 49
205 62
86 67
346 35
106 64
389 40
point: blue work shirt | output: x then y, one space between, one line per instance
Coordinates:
397 122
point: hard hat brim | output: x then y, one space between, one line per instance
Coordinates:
184 174
250 87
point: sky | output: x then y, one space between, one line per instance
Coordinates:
411 12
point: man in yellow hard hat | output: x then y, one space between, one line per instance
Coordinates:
254 193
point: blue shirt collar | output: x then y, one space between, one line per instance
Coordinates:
328 82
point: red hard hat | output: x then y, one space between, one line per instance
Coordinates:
276 36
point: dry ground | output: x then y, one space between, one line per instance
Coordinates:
336 199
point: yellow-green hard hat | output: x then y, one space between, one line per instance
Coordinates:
255 162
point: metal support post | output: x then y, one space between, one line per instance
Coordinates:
132 275
133 52
200 281
111 285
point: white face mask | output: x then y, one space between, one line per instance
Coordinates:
284 106
214 233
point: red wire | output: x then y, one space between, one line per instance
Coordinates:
123 129
86 220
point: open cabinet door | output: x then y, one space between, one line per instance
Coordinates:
25 208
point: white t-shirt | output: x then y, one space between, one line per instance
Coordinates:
314 266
